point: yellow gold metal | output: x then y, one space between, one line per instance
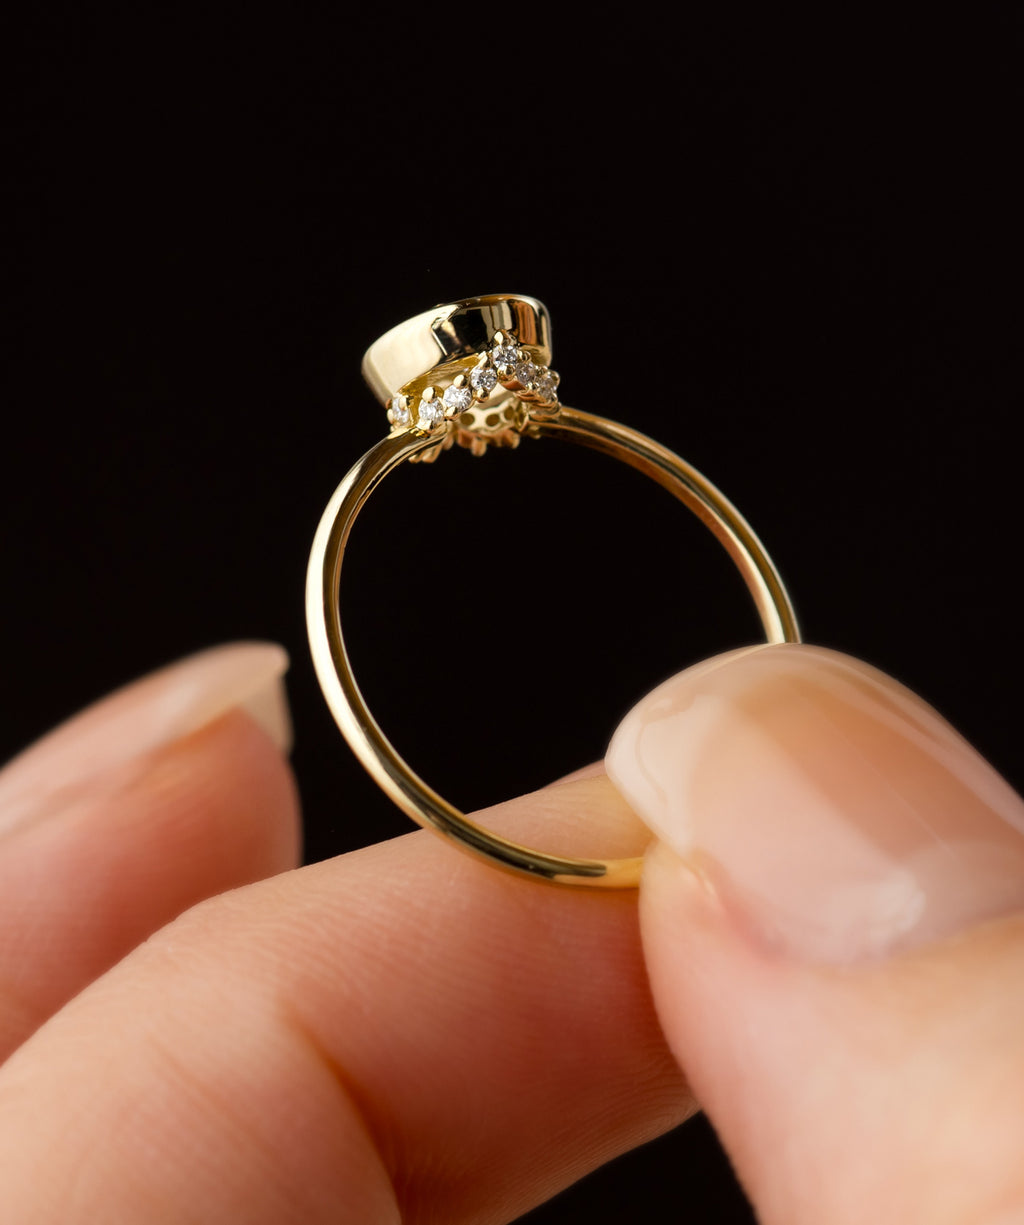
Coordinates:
412 362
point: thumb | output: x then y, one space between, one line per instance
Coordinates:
833 918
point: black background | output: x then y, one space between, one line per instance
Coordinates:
785 252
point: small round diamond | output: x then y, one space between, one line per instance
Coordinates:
482 380
545 385
431 414
505 358
525 372
400 413
457 399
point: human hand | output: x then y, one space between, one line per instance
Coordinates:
403 1033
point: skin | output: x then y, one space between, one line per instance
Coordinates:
391 1026
195 1030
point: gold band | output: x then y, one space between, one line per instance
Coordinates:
515 415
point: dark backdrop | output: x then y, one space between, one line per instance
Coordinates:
783 251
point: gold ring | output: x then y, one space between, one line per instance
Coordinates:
477 373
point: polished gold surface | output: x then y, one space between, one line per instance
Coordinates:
446 341
449 337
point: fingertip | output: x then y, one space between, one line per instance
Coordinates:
142 717
832 927
128 850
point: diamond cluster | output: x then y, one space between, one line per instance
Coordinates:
504 363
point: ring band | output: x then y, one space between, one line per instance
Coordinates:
477 373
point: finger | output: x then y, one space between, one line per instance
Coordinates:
160 795
834 924
403 1033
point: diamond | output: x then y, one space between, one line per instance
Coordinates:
525 372
430 415
547 382
399 414
482 380
457 399
505 358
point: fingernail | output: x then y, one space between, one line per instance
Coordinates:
834 814
154 711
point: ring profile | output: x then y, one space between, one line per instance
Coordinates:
477 373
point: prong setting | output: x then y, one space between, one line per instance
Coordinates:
430 414
399 413
505 364
457 397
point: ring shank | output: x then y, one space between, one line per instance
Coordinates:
334 671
